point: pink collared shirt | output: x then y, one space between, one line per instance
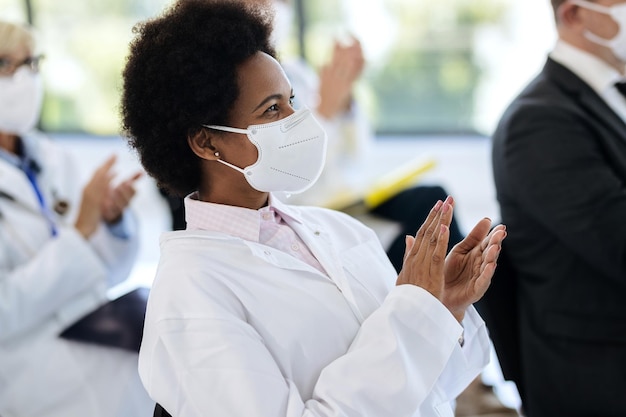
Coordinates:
265 225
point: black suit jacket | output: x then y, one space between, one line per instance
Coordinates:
559 160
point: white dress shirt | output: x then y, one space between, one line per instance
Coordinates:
599 75
235 327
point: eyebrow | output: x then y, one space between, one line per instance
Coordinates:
270 98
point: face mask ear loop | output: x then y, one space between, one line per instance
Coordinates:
236 168
228 129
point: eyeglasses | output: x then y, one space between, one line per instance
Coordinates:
8 67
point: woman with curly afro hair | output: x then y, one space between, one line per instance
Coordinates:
260 308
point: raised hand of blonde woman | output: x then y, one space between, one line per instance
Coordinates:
470 265
118 198
93 197
426 252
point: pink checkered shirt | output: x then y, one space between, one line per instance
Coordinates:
265 226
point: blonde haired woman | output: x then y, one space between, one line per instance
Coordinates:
59 252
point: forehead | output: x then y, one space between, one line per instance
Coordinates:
260 76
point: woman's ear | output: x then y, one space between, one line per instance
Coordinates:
200 144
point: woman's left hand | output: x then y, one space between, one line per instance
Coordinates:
470 265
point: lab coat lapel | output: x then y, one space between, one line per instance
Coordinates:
319 243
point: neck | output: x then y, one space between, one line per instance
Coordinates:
599 51
251 202
245 197
222 184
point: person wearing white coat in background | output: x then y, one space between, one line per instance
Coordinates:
260 308
59 253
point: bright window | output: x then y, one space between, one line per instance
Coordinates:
444 66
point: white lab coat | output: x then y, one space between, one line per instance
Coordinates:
46 284
237 328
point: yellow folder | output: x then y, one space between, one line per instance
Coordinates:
382 189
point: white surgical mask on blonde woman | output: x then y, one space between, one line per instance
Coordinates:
21 96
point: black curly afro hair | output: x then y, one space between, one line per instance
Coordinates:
182 73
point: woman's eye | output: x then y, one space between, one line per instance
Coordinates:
291 100
273 107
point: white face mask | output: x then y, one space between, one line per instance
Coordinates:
283 20
291 151
20 101
618 13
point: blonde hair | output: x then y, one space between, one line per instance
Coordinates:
14 36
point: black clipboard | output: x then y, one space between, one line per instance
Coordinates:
118 323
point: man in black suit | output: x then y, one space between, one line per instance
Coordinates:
559 159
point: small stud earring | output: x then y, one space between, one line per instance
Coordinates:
217 154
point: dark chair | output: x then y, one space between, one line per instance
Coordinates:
160 412
499 309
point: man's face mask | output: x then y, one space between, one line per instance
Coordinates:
617 13
291 152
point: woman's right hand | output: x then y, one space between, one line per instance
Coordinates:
94 194
425 253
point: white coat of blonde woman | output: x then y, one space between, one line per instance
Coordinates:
60 251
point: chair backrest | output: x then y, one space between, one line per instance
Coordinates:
499 309
160 411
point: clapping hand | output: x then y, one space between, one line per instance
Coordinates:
102 202
337 78
470 265
426 252
467 270
118 198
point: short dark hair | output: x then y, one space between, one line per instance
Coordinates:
182 73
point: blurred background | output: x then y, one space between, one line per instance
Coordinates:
444 67
438 76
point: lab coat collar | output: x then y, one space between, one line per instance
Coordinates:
286 211
318 240
212 217
201 215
